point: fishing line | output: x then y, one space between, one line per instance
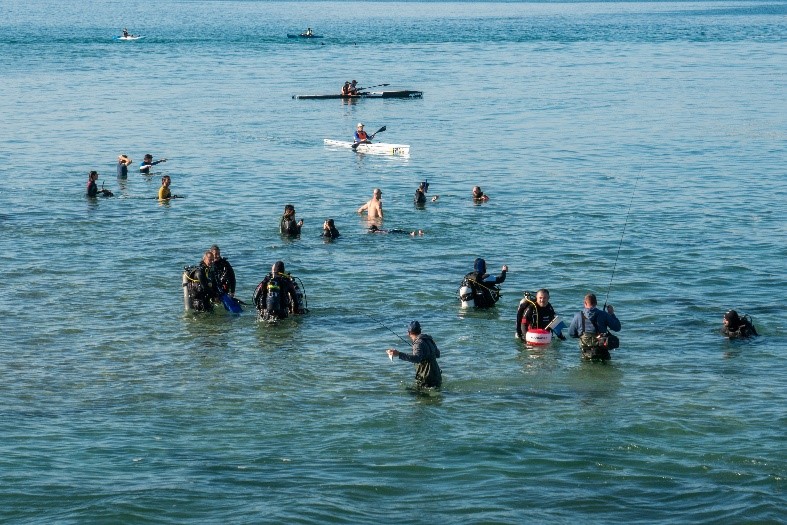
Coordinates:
408 343
621 238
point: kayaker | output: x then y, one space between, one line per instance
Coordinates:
361 137
480 287
590 325
478 195
737 327
354 87
147 162
424 356
125 32
346 89
534 314
308 32
374 207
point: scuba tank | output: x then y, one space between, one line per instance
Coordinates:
191 288
185 280
273 300
466 295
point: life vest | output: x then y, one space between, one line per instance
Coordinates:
484 296
362 135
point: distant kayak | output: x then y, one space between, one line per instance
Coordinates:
129 37
303 35
377 148
370 94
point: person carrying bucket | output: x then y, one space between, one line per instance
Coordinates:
536 320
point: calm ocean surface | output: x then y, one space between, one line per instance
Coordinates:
115 407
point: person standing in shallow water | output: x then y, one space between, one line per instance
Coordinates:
288 225
124 161
329 230
424 356
223 273
374 207
92 186
590 323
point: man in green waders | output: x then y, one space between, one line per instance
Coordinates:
425 354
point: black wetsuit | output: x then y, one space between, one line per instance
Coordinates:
224 275
530 316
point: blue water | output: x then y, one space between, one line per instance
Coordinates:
117 407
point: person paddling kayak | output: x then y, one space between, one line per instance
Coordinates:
361 137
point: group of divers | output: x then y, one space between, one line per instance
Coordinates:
280 294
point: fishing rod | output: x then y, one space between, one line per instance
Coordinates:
621 239
409 343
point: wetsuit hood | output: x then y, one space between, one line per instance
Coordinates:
480 266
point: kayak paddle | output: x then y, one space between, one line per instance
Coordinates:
370 87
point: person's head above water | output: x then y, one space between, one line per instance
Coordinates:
480 266
359 126
732 320
590 300
289 209
414 328
278 267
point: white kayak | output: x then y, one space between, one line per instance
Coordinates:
129 37
376 148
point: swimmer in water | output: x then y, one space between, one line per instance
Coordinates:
375 229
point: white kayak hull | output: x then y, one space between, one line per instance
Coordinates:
377 148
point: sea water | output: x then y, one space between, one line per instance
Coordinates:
582 121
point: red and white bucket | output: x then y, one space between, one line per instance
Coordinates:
538 337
